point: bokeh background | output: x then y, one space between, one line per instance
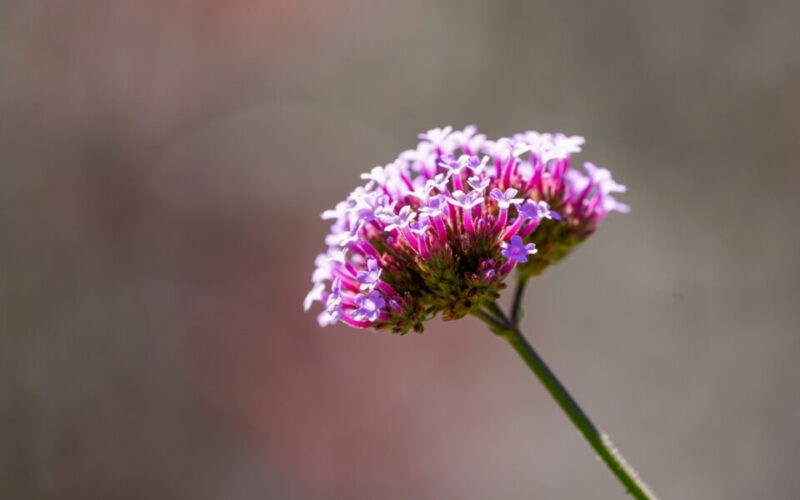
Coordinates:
162 168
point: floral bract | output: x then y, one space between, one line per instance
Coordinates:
440 228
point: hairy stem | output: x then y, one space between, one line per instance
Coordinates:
597 440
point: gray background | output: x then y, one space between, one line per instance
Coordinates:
163 165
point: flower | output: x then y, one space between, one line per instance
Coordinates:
505 199
517 251
371 276
422 236
369 306
537 210
478 183
466 200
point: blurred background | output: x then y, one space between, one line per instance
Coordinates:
163 165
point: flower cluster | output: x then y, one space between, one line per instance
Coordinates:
439 228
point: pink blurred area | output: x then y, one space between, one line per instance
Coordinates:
163 167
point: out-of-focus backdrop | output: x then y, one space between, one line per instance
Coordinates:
163 165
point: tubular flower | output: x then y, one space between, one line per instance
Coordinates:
440 228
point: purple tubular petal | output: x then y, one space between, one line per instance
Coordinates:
513 228
441 229
468 226
501 219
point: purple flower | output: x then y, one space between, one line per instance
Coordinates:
397 221
465 135
472 162
505 199
449 162
500 148
436 205
479 184
333 305
439 182
371 276
337 255
576 181
421 226
602 178
436 136
537 211
546 147
322 271
466 200
352 234
367 205
516 250
325 318
609 204
313 296
464 162
369 306
378 174
419 160
338 212
519 148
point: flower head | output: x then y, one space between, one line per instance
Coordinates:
422 236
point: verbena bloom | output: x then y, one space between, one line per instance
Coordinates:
441 227
517 251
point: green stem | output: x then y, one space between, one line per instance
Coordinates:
516 305
597 440
497 311
496 325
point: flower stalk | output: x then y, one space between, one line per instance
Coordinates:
437 231
600 442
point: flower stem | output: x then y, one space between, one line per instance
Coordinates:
516 306
497 312
496 325
597 440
